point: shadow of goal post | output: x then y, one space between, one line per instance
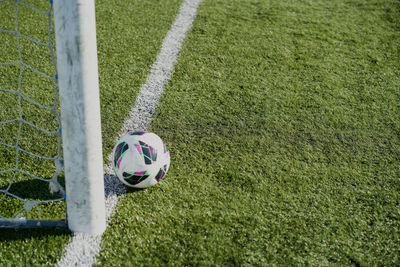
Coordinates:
75 30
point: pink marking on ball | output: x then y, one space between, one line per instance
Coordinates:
119 162
139 148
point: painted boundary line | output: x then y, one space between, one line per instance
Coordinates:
83 249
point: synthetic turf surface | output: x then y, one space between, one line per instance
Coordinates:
129 37
282 122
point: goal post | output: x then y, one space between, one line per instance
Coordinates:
75 30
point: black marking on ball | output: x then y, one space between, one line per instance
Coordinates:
149 153
133 179
119 151
161 173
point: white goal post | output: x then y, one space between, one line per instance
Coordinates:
75 30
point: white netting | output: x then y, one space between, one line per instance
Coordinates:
30 128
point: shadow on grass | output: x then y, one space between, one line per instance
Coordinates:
114 187
30 199
33 189
38 190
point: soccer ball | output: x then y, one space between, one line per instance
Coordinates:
140 159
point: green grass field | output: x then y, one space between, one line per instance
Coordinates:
39 89
282 119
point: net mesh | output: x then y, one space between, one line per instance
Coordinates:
31 165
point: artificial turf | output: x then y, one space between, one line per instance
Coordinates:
282 123
129 35
282 119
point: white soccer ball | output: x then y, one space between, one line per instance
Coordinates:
140 159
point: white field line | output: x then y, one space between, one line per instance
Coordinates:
83 249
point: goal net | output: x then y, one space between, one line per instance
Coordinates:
30 126
33 145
